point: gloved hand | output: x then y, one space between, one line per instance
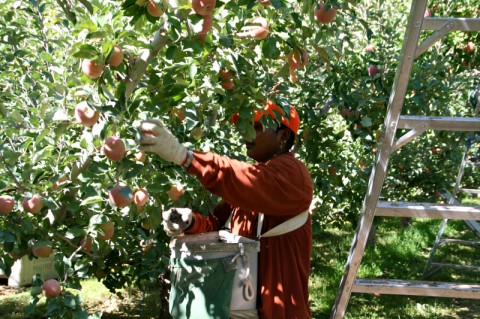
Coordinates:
156 137
176 220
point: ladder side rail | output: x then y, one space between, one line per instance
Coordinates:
451 199
427 270
377 176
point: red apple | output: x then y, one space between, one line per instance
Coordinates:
85 115
42 251
108 230
427 13
203 7
140 197
116 58
87 244
7 204
225 74
298 58
370 48
59 181
469 47
265 2
228 85
121 195
51 288
32 204
113 148
176 191
92 69
155 10
261 32
372 70
324 15
140 156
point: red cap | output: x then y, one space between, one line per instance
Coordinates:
293 123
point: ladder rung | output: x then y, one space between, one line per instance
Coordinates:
417 288
460 242
470 191
456 24
427 210
474 164
456 266
440 123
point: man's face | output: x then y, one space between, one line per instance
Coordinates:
266 143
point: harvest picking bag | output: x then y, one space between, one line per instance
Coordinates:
214 274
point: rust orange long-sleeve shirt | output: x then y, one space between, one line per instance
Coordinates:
281 189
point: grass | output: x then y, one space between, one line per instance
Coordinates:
97 298
399 253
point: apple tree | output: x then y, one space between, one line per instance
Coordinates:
79 76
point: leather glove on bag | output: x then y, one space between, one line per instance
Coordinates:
176 220
157 138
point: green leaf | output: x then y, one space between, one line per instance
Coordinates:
86 51
69 301
192 70
92 200
366 121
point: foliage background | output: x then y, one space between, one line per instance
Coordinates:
341 106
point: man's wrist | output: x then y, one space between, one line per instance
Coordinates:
188 159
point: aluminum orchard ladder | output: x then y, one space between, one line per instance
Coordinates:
434 266
416 125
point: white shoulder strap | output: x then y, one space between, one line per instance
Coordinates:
285 227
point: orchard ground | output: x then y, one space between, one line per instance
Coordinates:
400 252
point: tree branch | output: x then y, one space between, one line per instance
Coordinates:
136 72
5 164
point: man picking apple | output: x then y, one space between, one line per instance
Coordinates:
277 185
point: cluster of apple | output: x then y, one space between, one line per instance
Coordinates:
94 68
226 80
205 9
30 204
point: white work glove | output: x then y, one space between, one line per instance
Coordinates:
176 220
156 137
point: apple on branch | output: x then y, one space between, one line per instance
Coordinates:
116 57
121 195
7 204
32 204
258 29
92 69
203 7
85 115
140 197
325 14
51 288
106 230
42 251
113 148
155 10
176 191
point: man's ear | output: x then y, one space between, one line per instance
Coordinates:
286 134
